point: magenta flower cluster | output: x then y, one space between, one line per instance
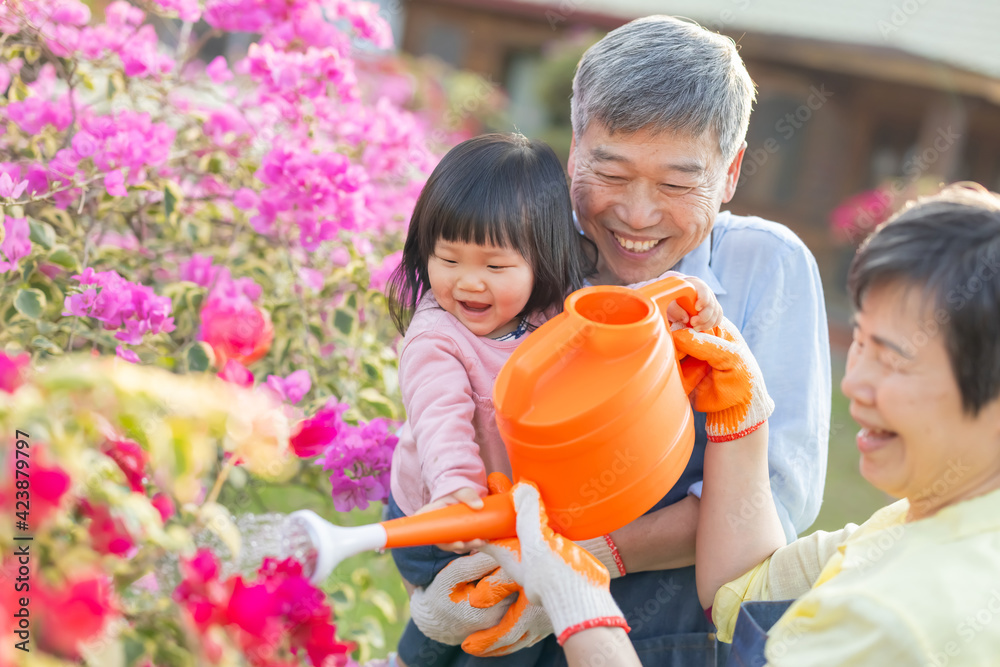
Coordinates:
358 456
133 309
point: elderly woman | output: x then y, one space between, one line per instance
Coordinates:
919 582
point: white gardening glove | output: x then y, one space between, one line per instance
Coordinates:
474 603
724 381
603 548
566 580
443 611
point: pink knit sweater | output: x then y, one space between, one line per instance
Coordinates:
450 439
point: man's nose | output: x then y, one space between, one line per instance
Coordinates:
639 209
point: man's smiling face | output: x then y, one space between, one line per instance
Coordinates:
647 199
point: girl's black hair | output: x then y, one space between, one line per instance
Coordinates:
496 189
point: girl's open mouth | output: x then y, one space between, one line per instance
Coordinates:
474 306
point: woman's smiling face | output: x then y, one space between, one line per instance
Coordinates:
916 441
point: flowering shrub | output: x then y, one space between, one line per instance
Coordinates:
101 517
235 219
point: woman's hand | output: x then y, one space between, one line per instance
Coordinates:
724 381
565 579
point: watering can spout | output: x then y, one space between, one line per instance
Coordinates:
333 544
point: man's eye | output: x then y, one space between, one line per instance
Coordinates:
611 177
675 190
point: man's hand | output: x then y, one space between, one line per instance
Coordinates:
473 602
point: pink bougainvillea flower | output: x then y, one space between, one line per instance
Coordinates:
71 612
291 388
245 199
201 270
16 244
311 436
127 354
236 329
131 458
108 534
114 183
132 308
340 256
218 70
359 458
49 483
12 371
380 274
236 373
8 188
200 592
164 505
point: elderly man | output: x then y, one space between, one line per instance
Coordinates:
660 112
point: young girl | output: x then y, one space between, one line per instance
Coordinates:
491 253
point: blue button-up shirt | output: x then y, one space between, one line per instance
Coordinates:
769 286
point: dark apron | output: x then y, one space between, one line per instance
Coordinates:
752 625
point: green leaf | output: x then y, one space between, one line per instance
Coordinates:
134 649
62 256
30 303
198 359
43 343
42 233
378 403
384 602
372 371
171 195
343 320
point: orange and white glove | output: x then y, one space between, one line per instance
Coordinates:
565 579
473 602
724 381
604 549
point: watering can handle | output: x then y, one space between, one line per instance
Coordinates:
671 288
455 523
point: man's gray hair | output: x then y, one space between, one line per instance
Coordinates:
668 75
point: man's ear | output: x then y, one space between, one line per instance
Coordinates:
733 174
571 162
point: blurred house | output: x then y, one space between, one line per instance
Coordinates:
852 93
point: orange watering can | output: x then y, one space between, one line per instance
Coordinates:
591 408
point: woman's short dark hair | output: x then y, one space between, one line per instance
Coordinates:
948 245
496 189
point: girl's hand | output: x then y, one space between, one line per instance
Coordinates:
468 496
709 311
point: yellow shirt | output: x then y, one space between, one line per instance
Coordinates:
890 593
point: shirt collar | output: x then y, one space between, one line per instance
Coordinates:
698 263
